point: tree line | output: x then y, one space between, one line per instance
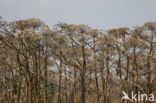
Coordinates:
75 63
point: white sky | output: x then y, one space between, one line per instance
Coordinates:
101 14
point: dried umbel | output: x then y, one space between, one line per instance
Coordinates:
75 63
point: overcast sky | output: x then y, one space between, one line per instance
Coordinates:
101 14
